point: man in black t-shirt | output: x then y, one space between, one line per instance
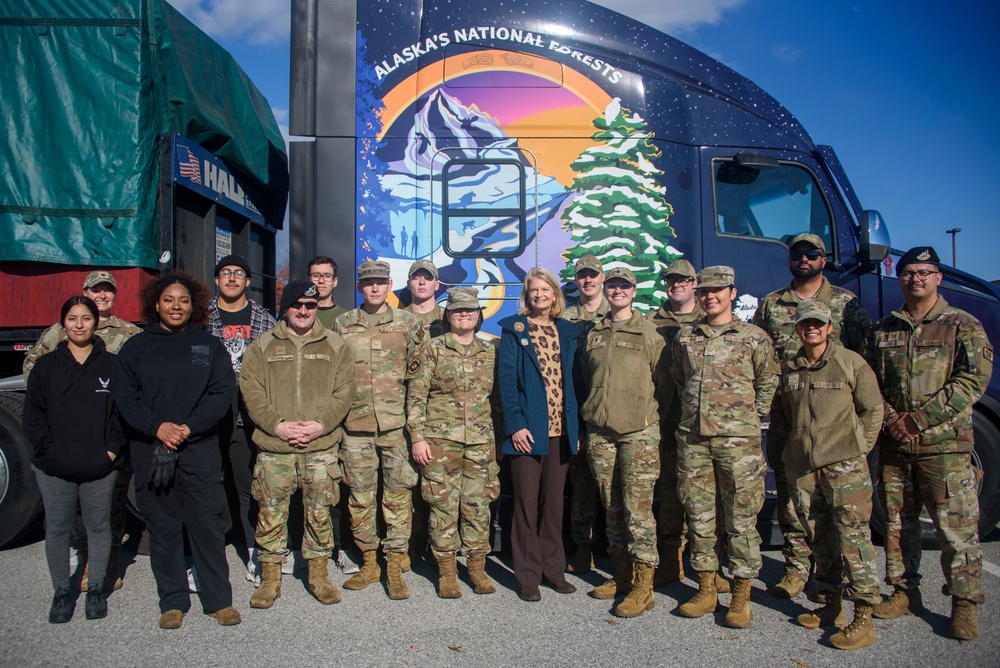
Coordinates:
238 320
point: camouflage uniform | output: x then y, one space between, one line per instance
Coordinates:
113 331
620 368
584 503
776 316
448 406
386 355
934 370
832 411
281 379
433 320
727 377
670 524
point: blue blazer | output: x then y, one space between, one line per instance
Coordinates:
522 391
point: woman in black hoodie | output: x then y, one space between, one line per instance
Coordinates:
174 385
70 419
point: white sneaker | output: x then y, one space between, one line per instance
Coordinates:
253 568
347 565
293 563
193 585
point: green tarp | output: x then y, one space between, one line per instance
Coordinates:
87 89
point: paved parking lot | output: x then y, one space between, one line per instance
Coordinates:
367 629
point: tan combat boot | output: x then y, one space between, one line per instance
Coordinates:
964 619
270 586
319 584
705 600
859 633
739 614
583 561
370 572
721 583
481 582
831 614
671 566
902 602
448 577
620 582
640 599
396 587
113 577
82 558
790 586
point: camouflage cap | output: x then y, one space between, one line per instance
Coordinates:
373 269
622 273
459 298
813 240
681 268
425 265
588 262
719 276
98 277
918 255
812 309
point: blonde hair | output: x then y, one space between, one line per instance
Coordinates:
541 274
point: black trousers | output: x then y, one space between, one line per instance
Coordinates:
240 456
195 502
536 535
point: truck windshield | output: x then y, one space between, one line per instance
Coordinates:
776 204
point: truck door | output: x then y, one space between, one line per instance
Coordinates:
755 203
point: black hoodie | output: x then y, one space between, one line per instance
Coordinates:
184 377
70 416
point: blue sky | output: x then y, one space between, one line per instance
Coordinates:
908 94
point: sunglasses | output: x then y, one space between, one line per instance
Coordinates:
308 305
811 254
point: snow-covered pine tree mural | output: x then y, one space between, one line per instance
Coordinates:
620 214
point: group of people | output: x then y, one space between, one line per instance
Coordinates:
629 406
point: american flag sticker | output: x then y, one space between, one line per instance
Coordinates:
188 165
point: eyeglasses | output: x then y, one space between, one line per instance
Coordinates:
238 273
326 278
98 289
308 305
923 274
464 311
683 280
811 254
623 287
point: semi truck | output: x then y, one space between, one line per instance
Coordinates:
491 138
132 143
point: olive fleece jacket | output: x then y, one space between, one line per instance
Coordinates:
832 410
314 380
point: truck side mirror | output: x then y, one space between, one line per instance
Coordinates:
875 243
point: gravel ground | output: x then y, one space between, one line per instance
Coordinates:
367 629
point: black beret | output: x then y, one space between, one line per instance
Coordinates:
918 255
296 290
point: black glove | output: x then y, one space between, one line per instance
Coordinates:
162 466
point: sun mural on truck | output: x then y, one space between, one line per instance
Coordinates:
596 194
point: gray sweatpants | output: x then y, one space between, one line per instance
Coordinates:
60 499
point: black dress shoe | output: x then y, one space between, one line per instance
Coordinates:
563 587
529 595
62 607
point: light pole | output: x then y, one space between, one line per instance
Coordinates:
953 231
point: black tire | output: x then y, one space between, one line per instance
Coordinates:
20 500
985 457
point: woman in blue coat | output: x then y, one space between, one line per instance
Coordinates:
541 428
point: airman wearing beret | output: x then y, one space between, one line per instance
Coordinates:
933 362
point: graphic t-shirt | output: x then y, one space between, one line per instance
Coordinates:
236 334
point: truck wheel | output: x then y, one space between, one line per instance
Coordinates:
20 500
985 457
